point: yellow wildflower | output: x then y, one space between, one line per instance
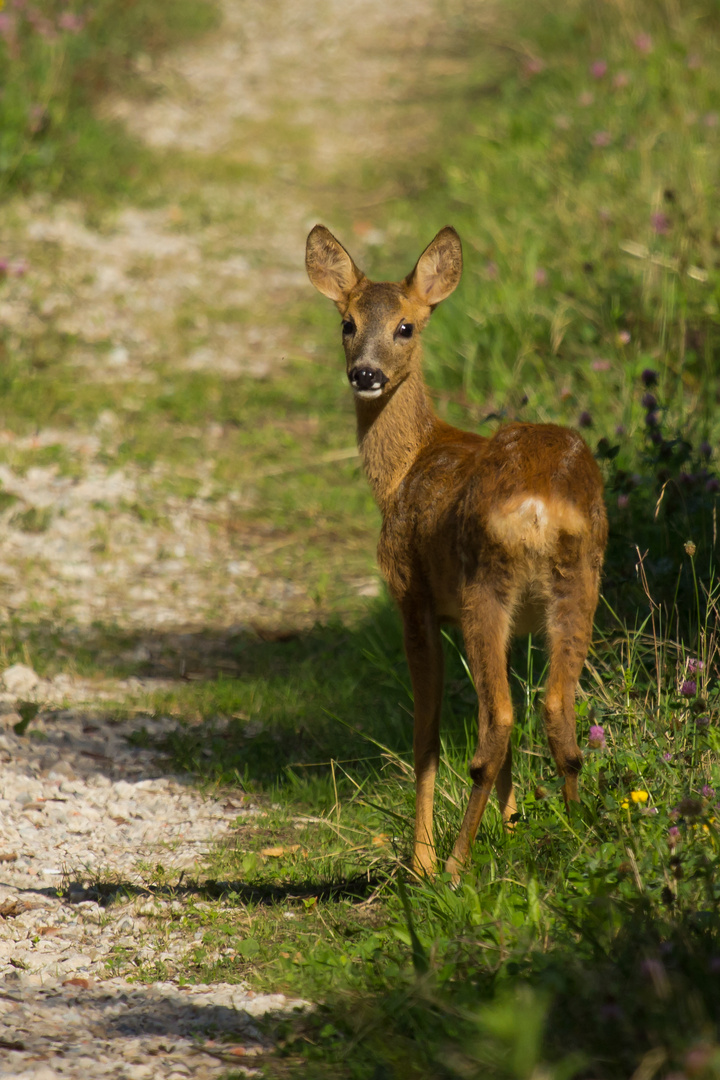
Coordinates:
624 805
639 796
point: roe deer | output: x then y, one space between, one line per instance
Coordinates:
501 535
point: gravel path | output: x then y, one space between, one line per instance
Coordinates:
79 804
76 800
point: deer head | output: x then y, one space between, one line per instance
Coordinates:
382 322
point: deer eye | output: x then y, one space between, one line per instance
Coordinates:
348 327
405 330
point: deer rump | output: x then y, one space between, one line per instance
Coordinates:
517 514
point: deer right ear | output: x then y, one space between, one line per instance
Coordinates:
329 267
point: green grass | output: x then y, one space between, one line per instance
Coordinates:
602 926
56 59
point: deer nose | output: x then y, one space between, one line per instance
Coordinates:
365 378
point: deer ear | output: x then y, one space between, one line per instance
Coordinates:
329 267
438 269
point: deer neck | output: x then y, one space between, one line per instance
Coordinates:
391 434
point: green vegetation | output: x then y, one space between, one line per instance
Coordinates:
56 58
578 156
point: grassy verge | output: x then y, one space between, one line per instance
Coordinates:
56 59
579 176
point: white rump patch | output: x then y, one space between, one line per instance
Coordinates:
533 523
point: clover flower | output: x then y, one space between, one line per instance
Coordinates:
694 665
673 836
689 688
596 737
661 223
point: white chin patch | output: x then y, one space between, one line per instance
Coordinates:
373 392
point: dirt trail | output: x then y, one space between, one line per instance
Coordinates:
295 92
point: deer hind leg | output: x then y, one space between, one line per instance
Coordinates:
505 790
486 629
569 630
423 648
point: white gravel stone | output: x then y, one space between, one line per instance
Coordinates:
20 680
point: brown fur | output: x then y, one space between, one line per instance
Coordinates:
501 535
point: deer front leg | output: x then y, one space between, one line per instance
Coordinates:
423 648
486 629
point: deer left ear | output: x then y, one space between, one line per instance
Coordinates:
439 268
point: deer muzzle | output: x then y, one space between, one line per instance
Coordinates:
367 382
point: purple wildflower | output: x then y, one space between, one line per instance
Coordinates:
601 365
705 449
649 377
620 430
673 836
697 1060
623 501
648 401
71 22
621 80
652 419
541 277
596 738
598 69
601 138
708 792
694 665
533 66
712 486
689 688
643 43
667 756
624 337
660 223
